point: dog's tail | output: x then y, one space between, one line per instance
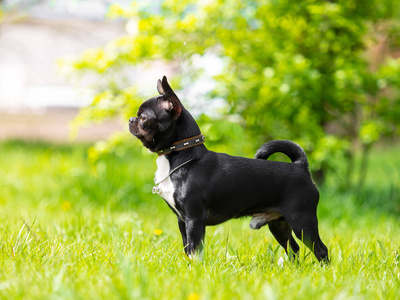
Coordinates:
289 148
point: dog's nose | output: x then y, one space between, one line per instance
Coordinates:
132 120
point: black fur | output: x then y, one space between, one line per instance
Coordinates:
216 187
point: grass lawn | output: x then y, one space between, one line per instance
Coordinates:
74 230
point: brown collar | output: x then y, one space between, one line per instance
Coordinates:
184 144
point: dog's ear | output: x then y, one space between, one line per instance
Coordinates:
166 88
173 103
160 88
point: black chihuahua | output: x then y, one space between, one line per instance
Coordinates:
206 188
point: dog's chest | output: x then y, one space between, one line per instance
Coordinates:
166 186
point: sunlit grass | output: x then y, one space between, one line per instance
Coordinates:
71 230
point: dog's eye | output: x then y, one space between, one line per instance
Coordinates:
142 118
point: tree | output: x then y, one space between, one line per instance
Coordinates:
291 71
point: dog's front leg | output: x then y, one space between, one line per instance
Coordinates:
195 231
182 229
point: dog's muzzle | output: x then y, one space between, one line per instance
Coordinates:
133 126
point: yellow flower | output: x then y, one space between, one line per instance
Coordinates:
157 231
193 296
66 206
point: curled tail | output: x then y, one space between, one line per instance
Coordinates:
289 148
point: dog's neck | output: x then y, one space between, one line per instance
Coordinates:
183 145
187 128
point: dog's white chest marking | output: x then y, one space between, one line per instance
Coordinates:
166 187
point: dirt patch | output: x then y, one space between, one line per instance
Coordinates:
53 126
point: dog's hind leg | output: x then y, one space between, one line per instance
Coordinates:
283 234
305 226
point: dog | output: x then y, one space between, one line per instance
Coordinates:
205 188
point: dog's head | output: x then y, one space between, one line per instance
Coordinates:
156 118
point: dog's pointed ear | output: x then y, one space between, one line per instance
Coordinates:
174 104
166 88
160 88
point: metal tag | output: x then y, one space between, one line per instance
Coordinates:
156 190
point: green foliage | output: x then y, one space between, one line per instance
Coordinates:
74 229
294 71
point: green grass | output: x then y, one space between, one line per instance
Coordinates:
74 230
